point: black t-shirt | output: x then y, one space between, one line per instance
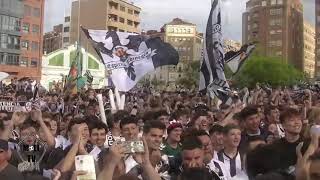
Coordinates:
11 172
286 151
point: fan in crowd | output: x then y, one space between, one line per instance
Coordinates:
272 134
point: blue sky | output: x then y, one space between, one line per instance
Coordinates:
155 13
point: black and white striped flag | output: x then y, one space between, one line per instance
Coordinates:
89 77
212 77
130 56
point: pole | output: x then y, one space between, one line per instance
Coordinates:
79 16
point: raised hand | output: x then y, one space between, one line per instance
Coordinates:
116 101
36 115
19 117
56 174
143 158
117 152
303 161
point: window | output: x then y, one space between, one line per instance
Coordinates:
25 44
280 2
27 10
273 2
121 30
13 42
66 29
275 11
67 19
9 23
12 59
130 23
35 29
5 22
4 40
36 12
34 46
263 3
279 53
130 11
255 25
122 8
65 39
34 63
275 22
24 61
121 19
25 27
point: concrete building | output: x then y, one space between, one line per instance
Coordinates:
11 12
277 26
309 49
231 45
317 24
57 64
53 40
112 15
66 32
184 37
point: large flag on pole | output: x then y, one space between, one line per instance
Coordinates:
130 56
70 87
212 77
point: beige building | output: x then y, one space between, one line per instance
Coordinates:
231 45
183 36
317 23
112 15
277 26
309 49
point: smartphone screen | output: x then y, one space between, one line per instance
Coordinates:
85 163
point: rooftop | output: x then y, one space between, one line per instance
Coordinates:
178 21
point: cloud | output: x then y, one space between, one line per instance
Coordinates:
55 11
155 13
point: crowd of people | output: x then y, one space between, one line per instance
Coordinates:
265 134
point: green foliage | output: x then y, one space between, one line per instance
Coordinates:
268 70
157 83
190 77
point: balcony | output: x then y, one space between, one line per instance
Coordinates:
113 11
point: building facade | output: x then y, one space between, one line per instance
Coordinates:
183 36
317 26
66 32
112 15
56 65
11 12
277 27
53 40
309 49
231 45
31 40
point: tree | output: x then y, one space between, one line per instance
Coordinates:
268 70
190 77
157 83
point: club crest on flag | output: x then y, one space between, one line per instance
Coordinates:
130 56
